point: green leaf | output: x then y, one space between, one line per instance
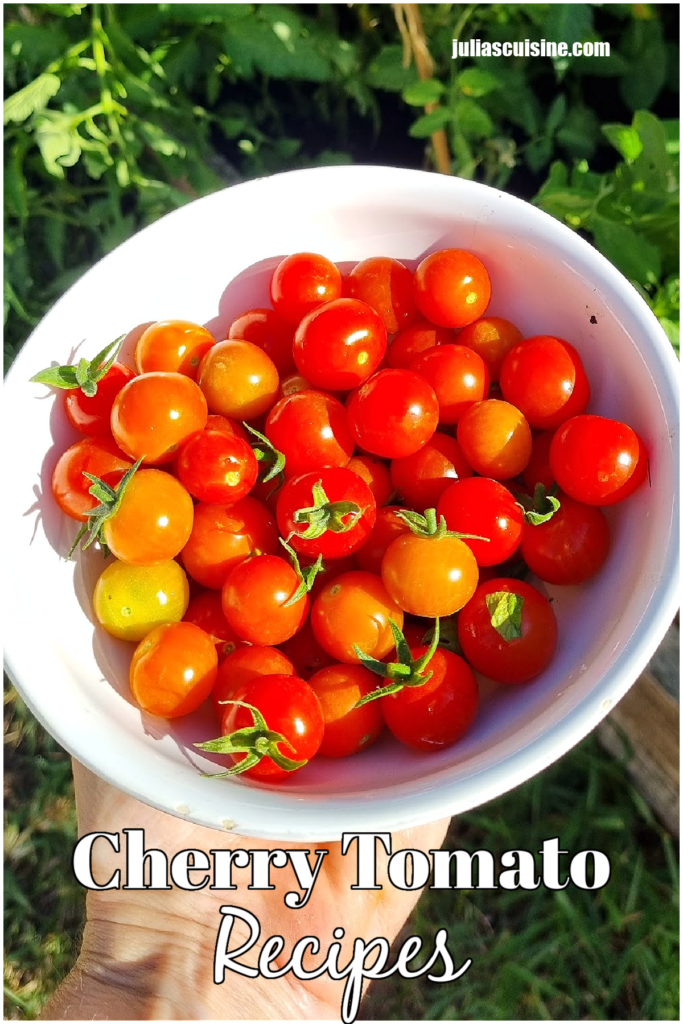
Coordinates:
420 94
33 97
477 82
580 132
644 45
473 121
57 377
427 124
505 609
58 141
629 251
556 114
208 14
386 71
625 140
569 23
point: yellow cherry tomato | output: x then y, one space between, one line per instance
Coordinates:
131 600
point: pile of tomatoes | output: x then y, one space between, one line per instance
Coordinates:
321 523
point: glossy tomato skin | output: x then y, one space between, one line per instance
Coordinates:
173 346
301 282
173 670
227 426
458 376
305 653
537 470
355 608
452 288
429 576
263 327
92 416
293 383
224 535
438 713
495 439
388 526
101 457
311 431
216 466
508 661
545 379
491 337
155 413
238 379
386 285
340 344
255 597
413 341
339 485
570 547
597 461
131 600
243 665
393 414
153 522
290 707
206 611
348 729
420 479
375 474
484 508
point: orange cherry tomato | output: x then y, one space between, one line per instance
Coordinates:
256 598
101 457
414 340
387 286
348 729
458 376
153 522
173 346
495 439
376 476
452 288
293 383
421 478
173 669
206 611
355 608
263 327
491 337
153 414
238 379
243 665
429 576
224 535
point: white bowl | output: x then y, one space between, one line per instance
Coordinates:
210 261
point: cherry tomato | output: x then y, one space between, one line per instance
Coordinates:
393 414
538 469
293 383
495 439
99 456
255 600
423 477
355 608
388 526
263 327
131 600
153 414
153 521
290 708
222 423
243 665
346 529
332 568
206 611
457 374
387 286
348 729
173 346
340 344
414 340
92 416
376 476
452 288
217 466
491 337
487 509
304 651
514 660
544 377
438 713
429 576
238 379
597 461
173 669
301 282
224 535
311 431
570 547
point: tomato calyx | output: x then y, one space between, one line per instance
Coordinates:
267 453
84 375
407 671
256 741
109 504
306 575
427 526
505 609
448 635
325 515
540 507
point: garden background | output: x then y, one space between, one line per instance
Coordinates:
116 114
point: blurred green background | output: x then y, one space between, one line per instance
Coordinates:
114 115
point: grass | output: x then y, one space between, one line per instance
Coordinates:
567 955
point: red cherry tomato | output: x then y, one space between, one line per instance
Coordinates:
304 651
393 414
339 485
292 383
267 330
422 478
340 344
570 547
388 526
206 611
544 377
99 456
173 346
224 535
243 665
597 461
256 598
348 729
387 286
438 713
495 439
491 337
311 430
452 288
92 416
538 469
487 509
216 466
414 340
173 669
355 609
301 282
521 657
152 415
457 374
375 474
